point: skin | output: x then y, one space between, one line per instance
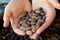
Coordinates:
55 3
11 14
13 9
50 14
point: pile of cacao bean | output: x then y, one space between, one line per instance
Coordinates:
32 20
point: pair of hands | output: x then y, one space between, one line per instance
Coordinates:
14 7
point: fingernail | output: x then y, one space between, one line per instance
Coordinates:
29 32
4 25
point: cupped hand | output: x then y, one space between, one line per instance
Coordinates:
49 8
11 13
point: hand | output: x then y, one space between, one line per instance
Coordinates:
48 7
54 3
11 14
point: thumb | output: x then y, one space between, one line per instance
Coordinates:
6 18
55 3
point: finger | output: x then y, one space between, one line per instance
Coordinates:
28 6
29 32
55 3
34 36
18 31
50 15
6 17
16 28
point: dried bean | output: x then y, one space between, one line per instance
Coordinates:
32 19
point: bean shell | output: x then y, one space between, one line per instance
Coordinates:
42 13
37 11
25 28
